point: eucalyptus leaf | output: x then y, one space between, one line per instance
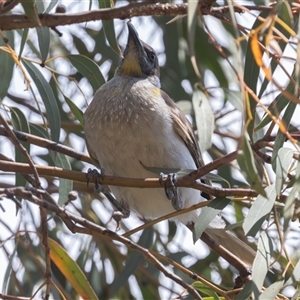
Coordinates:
261 207
204 119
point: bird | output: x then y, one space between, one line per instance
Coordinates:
131 126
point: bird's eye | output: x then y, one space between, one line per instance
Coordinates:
152 56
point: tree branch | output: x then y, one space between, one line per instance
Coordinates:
13 21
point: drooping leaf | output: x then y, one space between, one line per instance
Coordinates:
87 68
31 11
7 64
259 210
47 97
20 123
43 34
207 215
71 270
261 262
109 28
271 291
246 162
204 119
284 160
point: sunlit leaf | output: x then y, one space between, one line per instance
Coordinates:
71 270
207 214
271 291
288 209
204 119
201 287
284 160
261 207
262 262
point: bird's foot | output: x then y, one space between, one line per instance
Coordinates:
171 189
93 172
121 206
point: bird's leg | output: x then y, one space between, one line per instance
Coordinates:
121 206
171 190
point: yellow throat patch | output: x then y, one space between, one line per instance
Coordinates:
131 65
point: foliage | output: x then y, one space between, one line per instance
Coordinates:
247 92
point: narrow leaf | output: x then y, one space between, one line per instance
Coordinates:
262 262
259 210
288 209
31 11
204 119
77 112
23 41
7 64
43 34
47 97
272 291
283 162
208 214
71 270
246 162
88 68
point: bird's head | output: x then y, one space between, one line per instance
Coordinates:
139 59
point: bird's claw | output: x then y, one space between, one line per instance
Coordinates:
93 172
171 189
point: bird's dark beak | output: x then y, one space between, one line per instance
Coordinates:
133 54
133 38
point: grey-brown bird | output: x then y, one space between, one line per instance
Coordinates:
131 123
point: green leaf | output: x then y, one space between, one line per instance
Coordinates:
259 210
71 270
295 276
251 76
192 22
204 119
51 6
288 209
261 262
23 41
7 64
283 162
201 287
133 262
65 185
246 291
109 28
280 137
271 291
47 97
88 68
43 34
77 112
19 122
31 11
207 215
246 162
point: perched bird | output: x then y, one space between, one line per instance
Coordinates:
132 124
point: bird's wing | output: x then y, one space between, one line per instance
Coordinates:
93 156
183 128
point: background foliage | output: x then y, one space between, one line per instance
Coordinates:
248 91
